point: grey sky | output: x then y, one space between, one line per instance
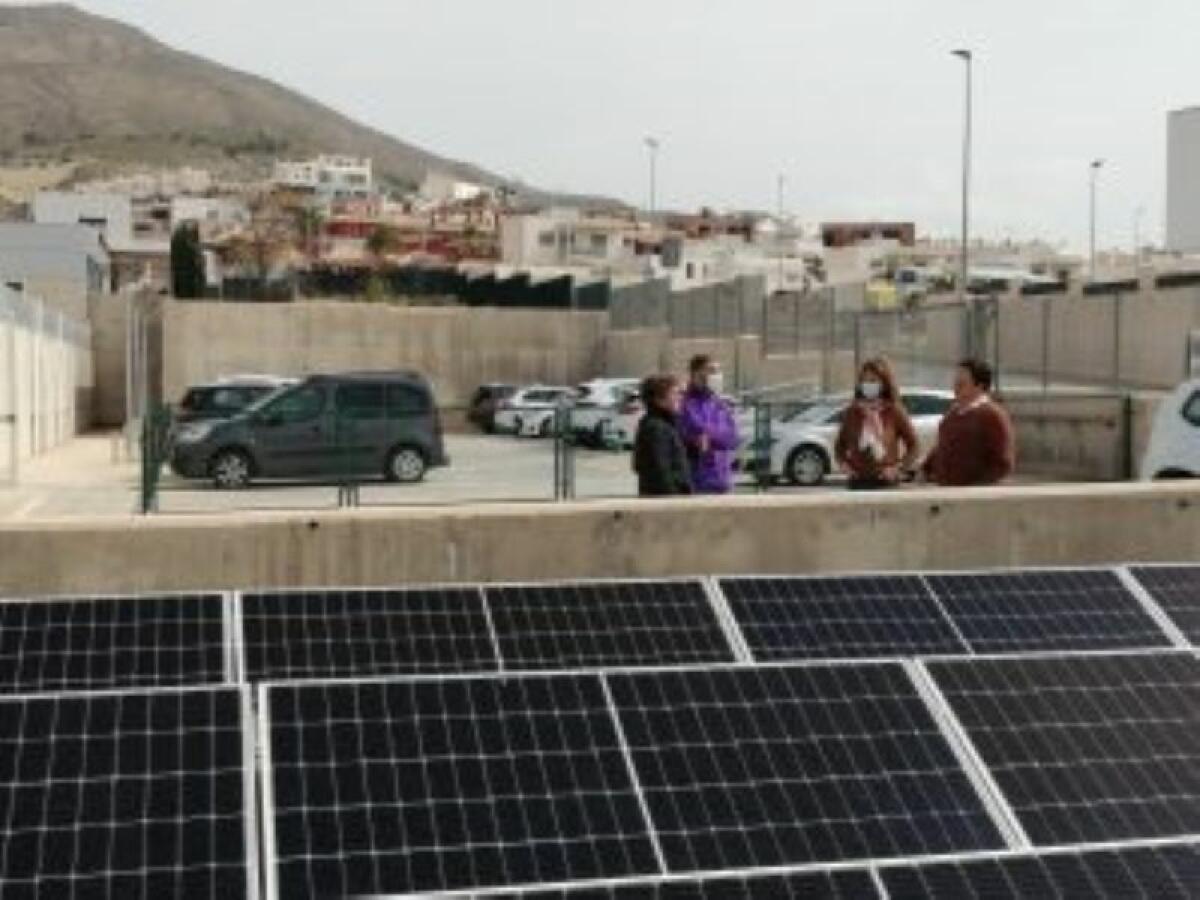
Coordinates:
859 103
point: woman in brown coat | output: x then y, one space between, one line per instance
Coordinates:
877 445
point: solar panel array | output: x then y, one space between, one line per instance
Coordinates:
982 735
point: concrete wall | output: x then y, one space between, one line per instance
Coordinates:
456 348
109 316
942 530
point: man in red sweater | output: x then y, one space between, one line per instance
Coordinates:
975 445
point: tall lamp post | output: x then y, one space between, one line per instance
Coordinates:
964 262
779 236
652 145
1094 171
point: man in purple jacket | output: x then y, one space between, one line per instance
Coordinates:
708 429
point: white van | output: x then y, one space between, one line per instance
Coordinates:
1174 449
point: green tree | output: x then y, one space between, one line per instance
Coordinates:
187 263
383 240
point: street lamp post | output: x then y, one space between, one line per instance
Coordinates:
652 145
779 236
1137 237
1094 172
967 57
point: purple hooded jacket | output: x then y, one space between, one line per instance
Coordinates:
703 413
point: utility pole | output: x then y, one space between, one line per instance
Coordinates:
779 237
964 264
652 145
1094 173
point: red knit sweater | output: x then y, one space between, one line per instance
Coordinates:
975 447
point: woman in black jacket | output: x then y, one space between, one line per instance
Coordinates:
659 457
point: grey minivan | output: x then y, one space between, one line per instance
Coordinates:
327 426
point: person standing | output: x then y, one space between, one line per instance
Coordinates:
877 445
659 458
708 428
975 445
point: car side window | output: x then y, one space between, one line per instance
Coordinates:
406 400
1191 409
301 405
360 402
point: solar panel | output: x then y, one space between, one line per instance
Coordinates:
1086 749
848 884
95 643
417 786
1131 873
786 765
796 618
606 624
1049 610
1177 590
330 634
125 795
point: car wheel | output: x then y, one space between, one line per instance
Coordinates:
230 470
807 466
405 465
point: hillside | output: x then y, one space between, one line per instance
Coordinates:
76 87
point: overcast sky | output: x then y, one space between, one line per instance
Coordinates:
859 103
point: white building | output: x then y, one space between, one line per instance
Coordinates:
1183 180
329 177
213 214
565 237
442 188
110 214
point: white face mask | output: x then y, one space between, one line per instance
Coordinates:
871 390
716 382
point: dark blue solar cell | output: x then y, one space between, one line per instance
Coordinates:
1131 873
1047 610
795 764
358 633
410 787
849 884
1177 590
96 643
1086 749
633 623
859 616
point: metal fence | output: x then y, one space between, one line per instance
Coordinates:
45 379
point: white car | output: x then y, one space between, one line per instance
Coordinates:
802 449
596 402
1174 448
530 411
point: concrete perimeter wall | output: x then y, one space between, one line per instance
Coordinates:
458 349
927 530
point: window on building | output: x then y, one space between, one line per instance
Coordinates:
691 271
599 243
546 239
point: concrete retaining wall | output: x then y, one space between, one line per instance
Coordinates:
457 349
928 530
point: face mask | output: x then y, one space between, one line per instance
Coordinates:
870 390
716 382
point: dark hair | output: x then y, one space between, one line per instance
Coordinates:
699 361
655 387
980 372
881 369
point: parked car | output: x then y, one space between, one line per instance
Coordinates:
596 401
802 449
486 402
225 397
380 423
530 411
1174 448
619 426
